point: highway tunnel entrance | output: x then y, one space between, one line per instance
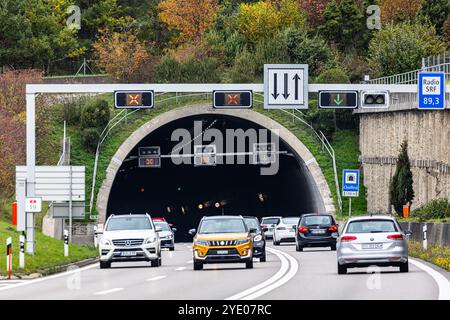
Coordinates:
184 193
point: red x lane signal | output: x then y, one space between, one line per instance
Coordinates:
223 99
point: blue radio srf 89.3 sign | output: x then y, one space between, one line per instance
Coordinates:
350 183
431 90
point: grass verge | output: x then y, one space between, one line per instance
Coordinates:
49 252
437 255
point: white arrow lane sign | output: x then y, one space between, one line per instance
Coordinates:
286 86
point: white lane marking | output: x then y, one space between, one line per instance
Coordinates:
180 269
288 276
442 282
156 278
276 277
190 261
108 291
58 275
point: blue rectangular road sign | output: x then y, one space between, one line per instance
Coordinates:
431 90
350 183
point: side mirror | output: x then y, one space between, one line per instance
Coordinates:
174 229
158 229
192 232
253 230
98 231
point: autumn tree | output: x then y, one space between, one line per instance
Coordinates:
399 10
124 57
314 10
191 18
264 19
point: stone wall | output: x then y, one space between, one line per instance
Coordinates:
428 134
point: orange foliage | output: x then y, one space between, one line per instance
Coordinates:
399 10
191 17
124 57
12 124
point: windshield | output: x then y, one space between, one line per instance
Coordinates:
270 220
292 220
128 223
371 226
222 226
164 225
252 223
317 220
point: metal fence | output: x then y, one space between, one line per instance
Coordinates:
438 63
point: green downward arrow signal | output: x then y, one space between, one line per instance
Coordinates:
338 100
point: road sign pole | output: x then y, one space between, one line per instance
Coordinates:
21 252
31 164
350 207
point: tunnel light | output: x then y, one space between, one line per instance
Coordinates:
200 206
141 189
261 197
217 204
169 209
183 210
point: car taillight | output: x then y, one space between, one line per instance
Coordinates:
333 228
397 236
303 229
347 238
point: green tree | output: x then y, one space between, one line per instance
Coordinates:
34 33
436 12
343 24
400 48
401 188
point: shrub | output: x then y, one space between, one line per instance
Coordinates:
95 114
435 209
90 138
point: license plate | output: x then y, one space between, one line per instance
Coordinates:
318 231
128 253
222 251
372 246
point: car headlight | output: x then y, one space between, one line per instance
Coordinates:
202 242
257 238
105 242
242 241
150 240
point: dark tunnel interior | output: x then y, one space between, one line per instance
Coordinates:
182 194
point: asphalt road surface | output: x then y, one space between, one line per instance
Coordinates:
287 274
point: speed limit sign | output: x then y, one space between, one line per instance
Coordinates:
33 204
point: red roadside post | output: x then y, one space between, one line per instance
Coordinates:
14 213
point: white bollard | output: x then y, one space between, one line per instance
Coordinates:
95 237
9 257
66 243
425 241
22 252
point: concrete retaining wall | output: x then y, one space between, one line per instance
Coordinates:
437 233
82 232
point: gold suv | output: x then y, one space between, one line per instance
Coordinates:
222 239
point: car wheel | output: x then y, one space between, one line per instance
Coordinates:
198 265
263 258
404 267
342 269
172 248
105 264
333 247
298 247
249 264
155 263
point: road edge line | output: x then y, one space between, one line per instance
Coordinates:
283 268
442 282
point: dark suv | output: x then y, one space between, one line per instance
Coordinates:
316 230
259 239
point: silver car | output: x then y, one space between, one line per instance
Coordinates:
372 241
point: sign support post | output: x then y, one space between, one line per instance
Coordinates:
31 166
350 207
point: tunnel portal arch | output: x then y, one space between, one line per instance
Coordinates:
201 109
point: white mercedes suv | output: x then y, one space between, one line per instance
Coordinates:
131 237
